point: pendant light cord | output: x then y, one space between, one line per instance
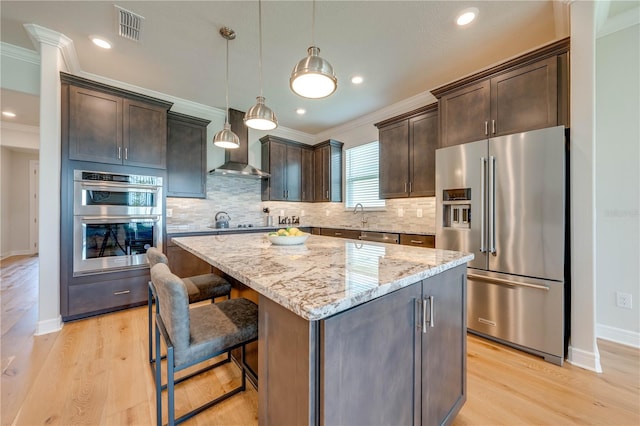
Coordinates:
313 23
226 117
260 31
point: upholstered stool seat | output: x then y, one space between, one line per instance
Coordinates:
193 335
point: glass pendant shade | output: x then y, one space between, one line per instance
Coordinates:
225 138
313 77
260 116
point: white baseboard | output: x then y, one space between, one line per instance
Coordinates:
618 335
48 326
16 253
583 359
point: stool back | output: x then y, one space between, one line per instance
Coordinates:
155 256
173 301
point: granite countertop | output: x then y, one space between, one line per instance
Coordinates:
323 276
191 229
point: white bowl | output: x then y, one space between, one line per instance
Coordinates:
280 240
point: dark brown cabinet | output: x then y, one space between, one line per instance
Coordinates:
114 126
340 233
283 159
428 241
328 171
422 328
307 180
186 156
407 154
525 93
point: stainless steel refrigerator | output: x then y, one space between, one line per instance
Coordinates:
503 199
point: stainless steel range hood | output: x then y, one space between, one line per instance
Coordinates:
237 160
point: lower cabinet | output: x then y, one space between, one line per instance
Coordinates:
428 241
418 373
104 296
340 233
396 360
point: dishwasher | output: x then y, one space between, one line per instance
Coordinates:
380 237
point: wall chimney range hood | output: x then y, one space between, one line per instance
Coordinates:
237 160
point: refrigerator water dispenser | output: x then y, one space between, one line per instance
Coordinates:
456 205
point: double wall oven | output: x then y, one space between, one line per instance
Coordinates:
117 217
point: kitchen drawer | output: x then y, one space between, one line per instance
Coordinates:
340 233
107 295
428 241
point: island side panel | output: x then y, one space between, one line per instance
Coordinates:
287 365
370 363
444 347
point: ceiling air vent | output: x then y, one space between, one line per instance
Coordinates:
129 24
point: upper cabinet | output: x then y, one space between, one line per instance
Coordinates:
407 153
186 156
526 93
282 158
328 171
301 172
115 126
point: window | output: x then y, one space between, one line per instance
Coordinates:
363 176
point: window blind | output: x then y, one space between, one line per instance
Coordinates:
362 176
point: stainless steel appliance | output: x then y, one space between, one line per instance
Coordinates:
222 220
503 199
117 217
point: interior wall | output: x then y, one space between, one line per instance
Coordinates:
19 202
5 202
617 178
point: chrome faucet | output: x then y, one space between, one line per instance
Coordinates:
355 210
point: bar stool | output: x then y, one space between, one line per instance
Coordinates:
195 335
199 288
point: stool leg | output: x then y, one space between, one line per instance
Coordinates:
170 387
158 381
150 310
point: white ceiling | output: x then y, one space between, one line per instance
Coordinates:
401 48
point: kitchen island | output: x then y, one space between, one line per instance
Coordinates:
351 332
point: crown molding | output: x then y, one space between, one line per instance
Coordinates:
19 127
41 35
619 22
19 53
406 105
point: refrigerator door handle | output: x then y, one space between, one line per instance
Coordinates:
483 177
492 204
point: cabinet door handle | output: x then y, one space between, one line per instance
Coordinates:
405 187
417 242
410 189
493 126
126 153
119 153
431 312
486 127
424 316
337 234
116 293
327 195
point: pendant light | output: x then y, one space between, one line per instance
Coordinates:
225 138
313 77
260 116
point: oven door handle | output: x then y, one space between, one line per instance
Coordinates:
106 186
107 219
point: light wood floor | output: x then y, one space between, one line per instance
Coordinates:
95 372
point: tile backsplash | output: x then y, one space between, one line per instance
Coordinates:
241 199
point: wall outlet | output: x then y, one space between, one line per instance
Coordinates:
169 212
624 300
326 212
281 212
419 213
301 213
400 212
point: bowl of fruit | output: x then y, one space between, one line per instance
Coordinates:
287 237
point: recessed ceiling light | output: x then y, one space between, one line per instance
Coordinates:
356 79
301 111
466 16
8 114
101 42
